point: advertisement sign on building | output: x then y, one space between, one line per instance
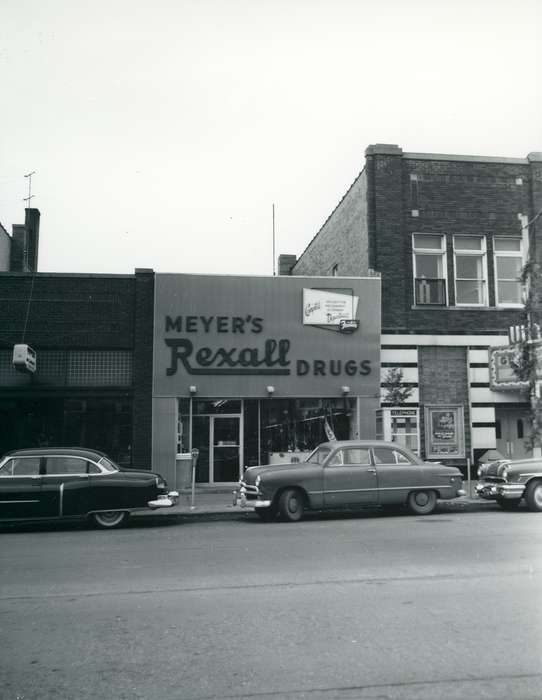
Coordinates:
503 365
329 307
237 336
444 432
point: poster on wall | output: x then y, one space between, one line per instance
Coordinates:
444 432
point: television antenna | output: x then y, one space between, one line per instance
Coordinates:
30 195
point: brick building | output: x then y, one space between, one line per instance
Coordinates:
93 336
19 252
448 234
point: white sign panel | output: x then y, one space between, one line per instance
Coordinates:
322 307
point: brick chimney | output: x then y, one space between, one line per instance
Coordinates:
25 243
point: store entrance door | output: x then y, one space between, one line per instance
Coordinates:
225 452
512 428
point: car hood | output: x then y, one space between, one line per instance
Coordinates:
249 477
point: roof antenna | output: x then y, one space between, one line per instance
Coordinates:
30 195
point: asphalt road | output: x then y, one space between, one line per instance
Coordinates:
366 606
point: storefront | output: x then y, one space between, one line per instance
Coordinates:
256 370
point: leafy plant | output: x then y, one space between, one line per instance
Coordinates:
396 392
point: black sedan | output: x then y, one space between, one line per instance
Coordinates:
74 483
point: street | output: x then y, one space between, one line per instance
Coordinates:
369 605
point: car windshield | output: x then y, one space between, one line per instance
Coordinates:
319 455
108 465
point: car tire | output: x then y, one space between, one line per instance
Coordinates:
533 496
266 514
509 503
107 520
422 502
291 505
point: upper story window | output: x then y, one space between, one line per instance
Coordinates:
470 267
429 264
508 266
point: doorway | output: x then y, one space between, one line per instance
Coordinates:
512 430
218 439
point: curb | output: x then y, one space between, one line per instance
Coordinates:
210 512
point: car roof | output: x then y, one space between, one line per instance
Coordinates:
363 443
58 451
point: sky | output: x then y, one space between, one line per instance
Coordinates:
161 134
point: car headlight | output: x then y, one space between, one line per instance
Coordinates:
479 472
504 473
160 483
257 482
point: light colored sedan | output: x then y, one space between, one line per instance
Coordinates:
348 474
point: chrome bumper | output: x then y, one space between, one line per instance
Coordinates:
491 491
165 500
240 499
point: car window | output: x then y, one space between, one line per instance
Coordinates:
319 455
108 465
351 456
93 468
66 465
21 466
387 455
401 458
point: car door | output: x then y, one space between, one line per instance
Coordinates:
20 488
397 474
65 486
350 478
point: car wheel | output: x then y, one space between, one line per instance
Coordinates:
291 505
509 503
422 502
533 495
266 514
109 519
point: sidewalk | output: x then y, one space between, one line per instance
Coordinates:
218 501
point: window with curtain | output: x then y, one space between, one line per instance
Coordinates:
429 266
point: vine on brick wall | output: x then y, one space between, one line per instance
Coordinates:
531 319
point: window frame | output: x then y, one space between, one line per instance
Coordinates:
507 254
430 251
481 253
342 451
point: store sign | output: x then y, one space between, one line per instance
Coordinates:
330 307
504 362
444 432
230 336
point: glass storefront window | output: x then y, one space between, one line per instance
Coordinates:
300 425
100 423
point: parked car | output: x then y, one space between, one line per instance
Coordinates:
74 483
508 481
348 473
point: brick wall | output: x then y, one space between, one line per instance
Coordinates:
342 240
443 379
372 227
86 312
143 369
76 311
